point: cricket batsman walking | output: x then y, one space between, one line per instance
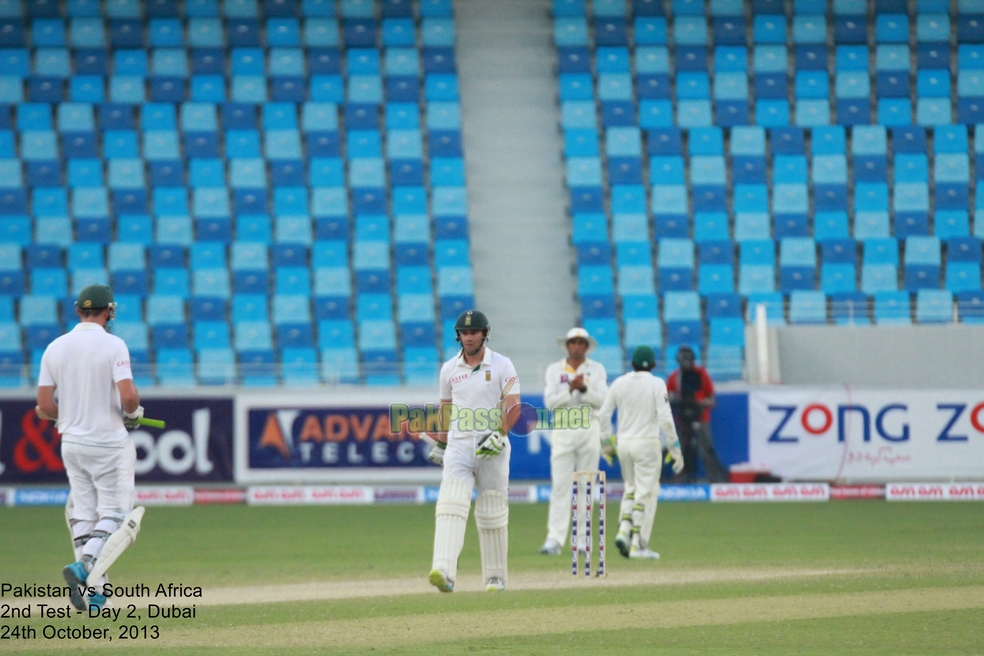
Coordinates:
97 403
571 383
643 409
479 388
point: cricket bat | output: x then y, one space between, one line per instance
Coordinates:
143 421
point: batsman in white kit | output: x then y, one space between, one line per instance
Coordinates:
97 403
643 409
571 383
479 388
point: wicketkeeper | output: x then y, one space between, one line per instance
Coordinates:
479 388
643 409
97 403
571 383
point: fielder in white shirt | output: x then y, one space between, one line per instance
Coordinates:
571 383
643 409
479 393
97 403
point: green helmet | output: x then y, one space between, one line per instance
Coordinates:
471 320
644 357
95 297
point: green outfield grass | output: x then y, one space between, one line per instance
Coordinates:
847 577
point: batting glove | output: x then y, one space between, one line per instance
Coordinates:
132 419
437 453
491 445
677 456
608 450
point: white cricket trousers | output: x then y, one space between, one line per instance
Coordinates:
642 465
570 451
101 478
461 462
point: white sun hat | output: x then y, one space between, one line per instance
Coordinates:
575 333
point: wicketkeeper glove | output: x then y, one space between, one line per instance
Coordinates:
677 456
491 445
608 450
131 419
437 453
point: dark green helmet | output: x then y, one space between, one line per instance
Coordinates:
95 297
644 357
471 320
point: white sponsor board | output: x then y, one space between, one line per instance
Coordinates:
164 495
770 492
934 492
325 495
867 435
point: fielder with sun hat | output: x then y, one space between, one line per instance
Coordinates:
643 409
571 382
97 403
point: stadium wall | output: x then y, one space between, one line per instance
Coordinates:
919 357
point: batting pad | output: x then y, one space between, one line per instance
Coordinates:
118 542
647 523
78 529
453 504
492 519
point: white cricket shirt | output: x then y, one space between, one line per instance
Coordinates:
476 388
557 393
643 407
84 365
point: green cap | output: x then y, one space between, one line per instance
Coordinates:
95 297
644 357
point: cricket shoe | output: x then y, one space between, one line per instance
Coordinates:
75 576
623 541
98 601
643 553
441 581
550 548
495 584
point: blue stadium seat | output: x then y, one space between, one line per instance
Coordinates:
727 330
970 307
892 308
339 365
934 306
715 278
723 305
773 304
258 368
922 263
640 307
797 264
681 306
807 306
850 308
418 334
643 331
175 367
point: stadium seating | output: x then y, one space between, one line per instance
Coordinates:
819 157
260 182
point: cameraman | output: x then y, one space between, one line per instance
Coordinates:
691 398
